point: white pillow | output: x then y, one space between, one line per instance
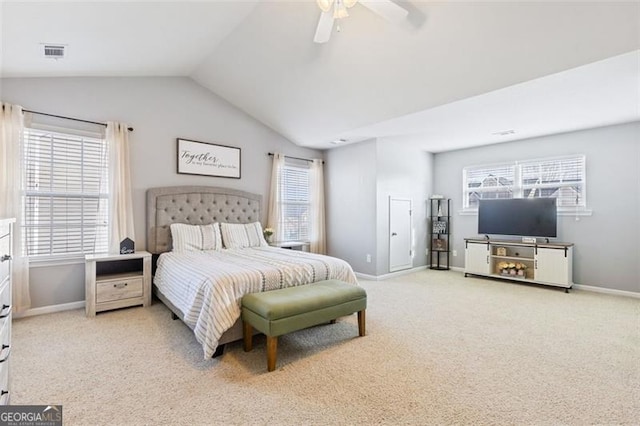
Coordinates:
195 237
239 235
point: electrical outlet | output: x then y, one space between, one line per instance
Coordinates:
368 258
455 253
426 252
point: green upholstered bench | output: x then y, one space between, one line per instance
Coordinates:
279 312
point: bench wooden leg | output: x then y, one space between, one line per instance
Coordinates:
247 334
332 321
361 323
272 349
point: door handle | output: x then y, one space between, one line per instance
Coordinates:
393 234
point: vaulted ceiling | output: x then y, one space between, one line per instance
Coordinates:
453 74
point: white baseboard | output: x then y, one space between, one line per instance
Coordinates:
607 291
80 304
602 290
50 309
391 275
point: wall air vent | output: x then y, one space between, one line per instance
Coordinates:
54 51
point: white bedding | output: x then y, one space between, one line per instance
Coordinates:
207 286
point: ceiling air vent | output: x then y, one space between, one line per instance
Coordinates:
504 133
54 51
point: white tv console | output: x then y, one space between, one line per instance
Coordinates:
545 263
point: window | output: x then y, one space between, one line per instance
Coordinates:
65 194
563 178
487 182
295 202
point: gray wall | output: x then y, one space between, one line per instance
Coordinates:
350 176
160 110
405 172
606 252
360 180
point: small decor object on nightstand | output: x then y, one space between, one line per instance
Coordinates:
501 251
268 232
127 246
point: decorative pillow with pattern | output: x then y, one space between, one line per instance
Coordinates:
242 235
195 237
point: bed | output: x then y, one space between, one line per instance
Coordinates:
204 287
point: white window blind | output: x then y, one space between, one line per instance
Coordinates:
296 203
65 194
488 182
563 178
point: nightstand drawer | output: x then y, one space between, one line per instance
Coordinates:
107 291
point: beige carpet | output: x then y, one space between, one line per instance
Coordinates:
440 349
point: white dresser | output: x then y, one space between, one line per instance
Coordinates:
6 254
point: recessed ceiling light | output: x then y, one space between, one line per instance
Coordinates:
504 132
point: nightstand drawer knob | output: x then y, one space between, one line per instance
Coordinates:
120 285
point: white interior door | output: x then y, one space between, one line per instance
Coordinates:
400 256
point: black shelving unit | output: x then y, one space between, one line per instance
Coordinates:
439 247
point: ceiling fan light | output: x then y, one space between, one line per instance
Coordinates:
325 5
350 3
340 11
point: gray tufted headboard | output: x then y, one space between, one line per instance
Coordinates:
195 205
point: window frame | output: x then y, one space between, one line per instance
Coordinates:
102 196
519 187
288 165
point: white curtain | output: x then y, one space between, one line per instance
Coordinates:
11 175
318 239
275 213
120 201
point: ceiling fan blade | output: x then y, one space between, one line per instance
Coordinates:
387 9
325 25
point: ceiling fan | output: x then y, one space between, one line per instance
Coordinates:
337 9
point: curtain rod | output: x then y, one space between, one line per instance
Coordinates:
295 158
71 118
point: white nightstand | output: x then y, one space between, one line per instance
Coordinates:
292 245
117 281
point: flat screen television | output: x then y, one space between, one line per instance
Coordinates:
527 217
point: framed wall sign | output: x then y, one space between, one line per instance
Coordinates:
208 159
